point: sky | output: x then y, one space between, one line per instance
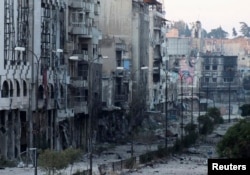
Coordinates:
211 13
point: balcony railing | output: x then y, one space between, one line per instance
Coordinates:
80 29
78 81
77 4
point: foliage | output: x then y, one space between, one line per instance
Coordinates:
244 29
191 136
234 33
130 163
83 172
177 146
206 124
72 155
52 161
147 157
215 114
190 127
245 110
236 141
6 163
217 33
137 106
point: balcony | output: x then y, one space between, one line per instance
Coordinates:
81 54
65 113
78 82
77 4
80 29
152 2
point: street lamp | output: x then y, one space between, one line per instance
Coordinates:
182 124
38 59
90 105
166 109
131 77
22 49
35 159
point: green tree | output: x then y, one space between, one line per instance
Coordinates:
191 136
234 32
51 161
206 124
72 155
217 33
245 110
236 142
215 114
244 29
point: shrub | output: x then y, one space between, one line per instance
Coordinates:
52 161
6 163
147 157
130 163
72 155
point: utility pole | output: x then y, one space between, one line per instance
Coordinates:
182 107
199 104
192 98
229 102
166 111
90 115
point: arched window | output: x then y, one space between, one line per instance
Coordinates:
40 92
51 91
5 90
61 91
17 88
11 89
24 88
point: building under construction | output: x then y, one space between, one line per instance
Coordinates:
50 74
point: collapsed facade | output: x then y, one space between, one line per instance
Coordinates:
49 54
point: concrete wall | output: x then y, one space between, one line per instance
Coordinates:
115 18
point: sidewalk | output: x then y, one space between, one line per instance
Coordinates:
111 155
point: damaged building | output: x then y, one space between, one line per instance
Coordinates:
50 75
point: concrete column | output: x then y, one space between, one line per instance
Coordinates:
5 138
52 133
12 133
18 132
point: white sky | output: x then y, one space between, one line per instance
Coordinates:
211 13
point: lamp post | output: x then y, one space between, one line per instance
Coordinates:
166 109
90 107
35 159
229 102
38 59
199 104
182 124
30 117
131 78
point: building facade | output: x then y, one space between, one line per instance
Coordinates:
50 60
